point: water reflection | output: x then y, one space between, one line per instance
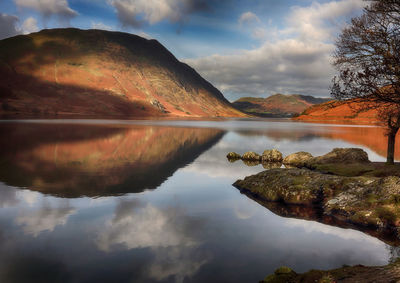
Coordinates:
8 196
138 225
75 204
169 232
372 138
44 218
93 160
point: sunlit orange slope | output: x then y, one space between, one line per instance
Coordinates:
94 73
334 111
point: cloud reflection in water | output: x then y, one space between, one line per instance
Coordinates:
168 232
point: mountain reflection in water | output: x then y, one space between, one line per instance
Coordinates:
92 160
152 201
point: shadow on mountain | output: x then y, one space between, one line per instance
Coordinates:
37 98
94 73
315 214
96 160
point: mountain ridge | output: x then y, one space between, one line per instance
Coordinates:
277 105
78 73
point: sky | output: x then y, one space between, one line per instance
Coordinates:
244 48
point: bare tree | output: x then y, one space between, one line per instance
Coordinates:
367 57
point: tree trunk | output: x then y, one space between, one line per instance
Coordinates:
391 144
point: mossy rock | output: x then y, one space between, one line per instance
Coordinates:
297 159
340 156
233 156
251 155
272 155
281 275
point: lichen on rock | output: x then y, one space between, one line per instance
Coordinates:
341 156
272 155
251 155
297 159
363 200
233 156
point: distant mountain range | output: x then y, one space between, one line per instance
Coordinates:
278 105
339 111
100 74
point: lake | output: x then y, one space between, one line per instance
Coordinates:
153 201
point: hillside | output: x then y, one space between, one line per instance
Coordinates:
94 73
278 105
339 111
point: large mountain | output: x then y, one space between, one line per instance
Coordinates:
94 73
340 111
278 105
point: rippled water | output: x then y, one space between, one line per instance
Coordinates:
153 201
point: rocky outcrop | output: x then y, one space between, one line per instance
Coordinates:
340 155
298 186
251 155
272 155
364 201
297 159
345 274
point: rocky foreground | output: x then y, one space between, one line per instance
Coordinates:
347 274
342 188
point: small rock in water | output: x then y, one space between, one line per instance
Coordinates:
272 155
297 159
340 155
233 156
251 155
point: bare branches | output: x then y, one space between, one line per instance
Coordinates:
367 56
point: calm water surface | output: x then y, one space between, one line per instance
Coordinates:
153 201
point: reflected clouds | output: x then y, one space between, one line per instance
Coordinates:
345 234
8 196
139 225
168 232
45 218
178 262
195 227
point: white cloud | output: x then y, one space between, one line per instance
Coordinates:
248 17
296 62
29 25
137 12
100 25
48 8
259 33
321 21
8 26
